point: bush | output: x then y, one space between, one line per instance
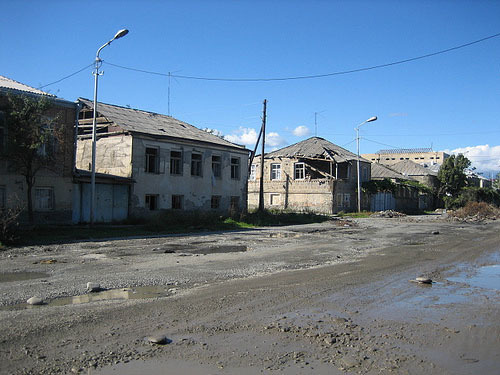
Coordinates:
473 194
9 224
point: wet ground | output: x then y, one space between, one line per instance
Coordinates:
317 299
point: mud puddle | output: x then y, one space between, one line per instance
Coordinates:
144 292
221 249
21 276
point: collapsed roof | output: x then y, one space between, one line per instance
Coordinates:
315 148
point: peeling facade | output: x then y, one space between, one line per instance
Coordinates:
173 164
310 176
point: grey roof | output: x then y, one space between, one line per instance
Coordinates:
410 168
315 147
380 171
11 85
405 151
137 121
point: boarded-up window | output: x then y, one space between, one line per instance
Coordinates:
275 199
44 199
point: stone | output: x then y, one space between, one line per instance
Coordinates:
158 339
435 232
35 301
423 280
93 287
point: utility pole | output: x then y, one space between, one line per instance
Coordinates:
261 188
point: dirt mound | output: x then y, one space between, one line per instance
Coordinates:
476 212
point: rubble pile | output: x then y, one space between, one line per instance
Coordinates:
475 212
388 213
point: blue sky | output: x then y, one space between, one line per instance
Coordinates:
449 101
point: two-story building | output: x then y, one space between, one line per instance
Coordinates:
174 165
314 175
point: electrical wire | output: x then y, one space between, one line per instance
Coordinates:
68 76
310 76
380 143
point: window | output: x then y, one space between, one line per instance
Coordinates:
347 200
152 201
235 203
152 160
216 166
3 197
3 133
275 199
364 173
253 172
300 171
215 202
196 166
235 168
44 199
48 147
275 171
176 162
177 202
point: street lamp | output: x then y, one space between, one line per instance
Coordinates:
371 119
96 73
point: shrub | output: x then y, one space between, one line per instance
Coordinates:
9 223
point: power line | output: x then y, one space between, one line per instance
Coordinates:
68 76
314 75
383 144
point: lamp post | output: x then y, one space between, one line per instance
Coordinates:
96 73
371 119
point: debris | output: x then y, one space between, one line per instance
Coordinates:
435 232
422 280
388 213
35 301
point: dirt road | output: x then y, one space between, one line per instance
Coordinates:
328 298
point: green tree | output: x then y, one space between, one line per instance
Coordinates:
32 135
496 181
452 176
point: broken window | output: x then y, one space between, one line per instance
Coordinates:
196 165
176 162
151 201
299 171
216 166
177 201
44 198
152 160
3 197
215 202
235 203
253 172
275 171
235 168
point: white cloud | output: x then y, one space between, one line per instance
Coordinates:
275 140
301 131
484 158
243 136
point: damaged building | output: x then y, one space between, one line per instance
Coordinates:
173 165
314 175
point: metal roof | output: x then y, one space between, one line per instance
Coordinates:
410 168
379 171
315 147
137 121
10 84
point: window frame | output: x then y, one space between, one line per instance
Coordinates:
253 172
196 164
153 203
37 201
275 172
177 202
176 161
302 169
152 162
235 168
217 166
215 202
